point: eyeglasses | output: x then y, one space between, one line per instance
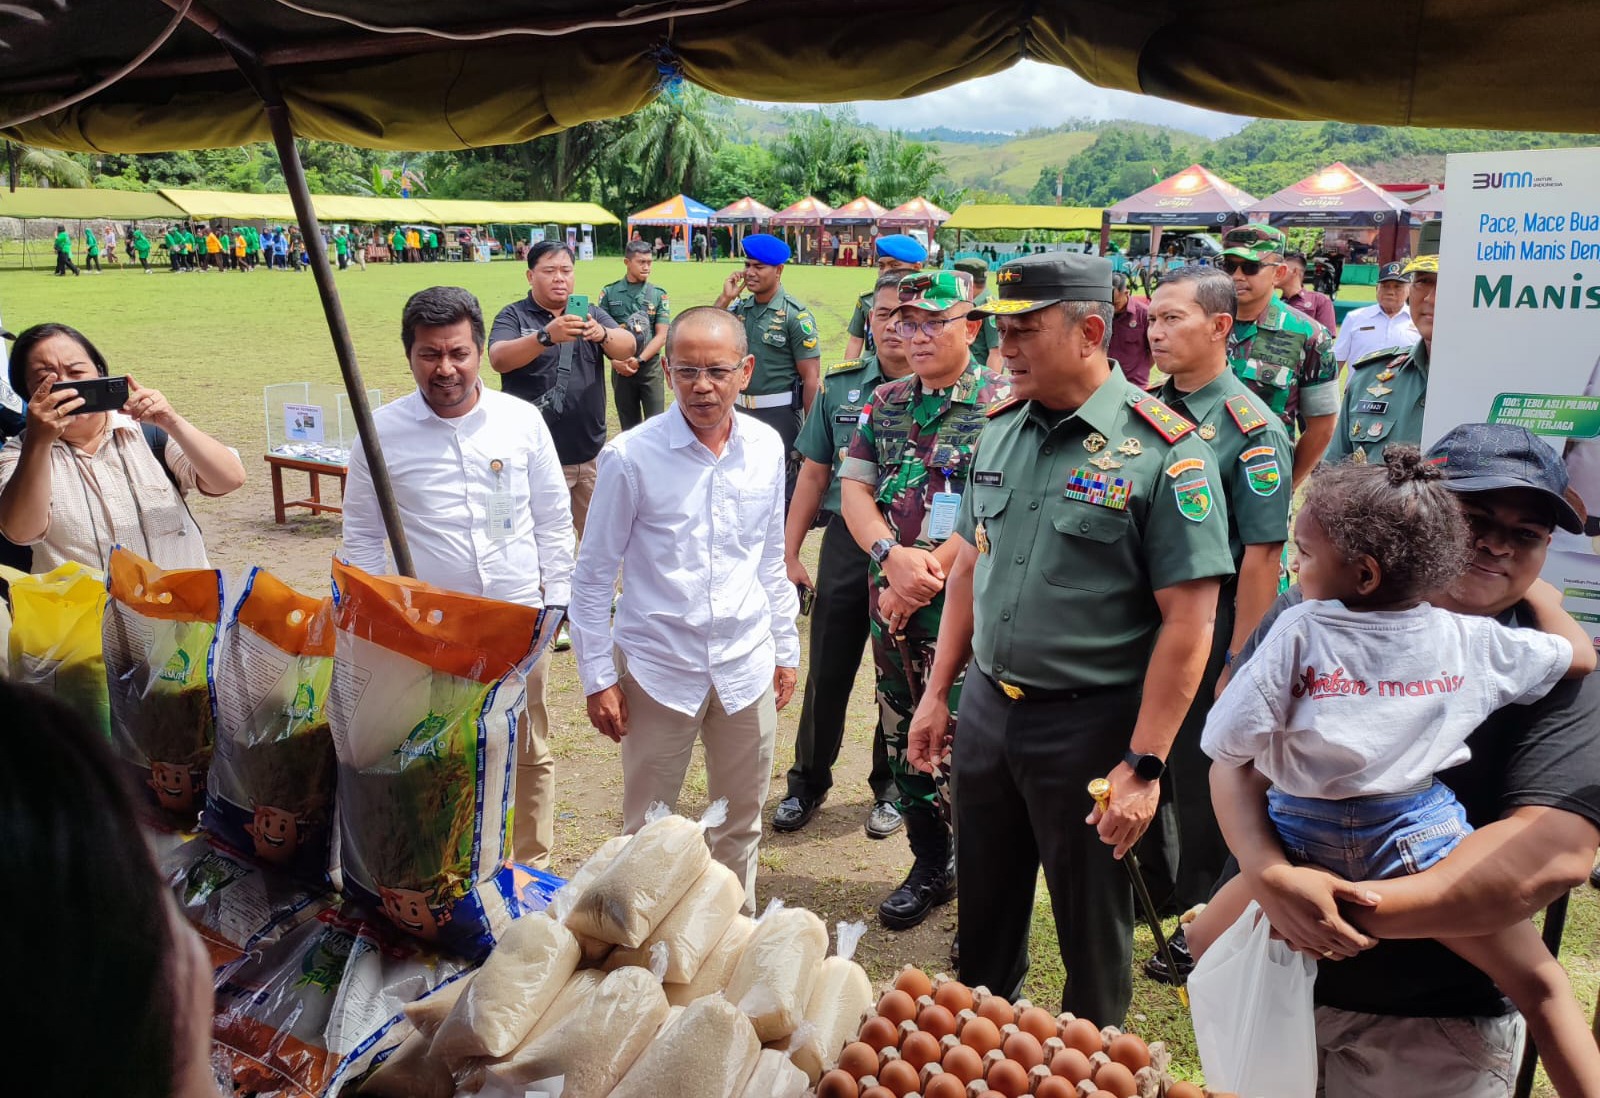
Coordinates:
1250 267
689 375
908 329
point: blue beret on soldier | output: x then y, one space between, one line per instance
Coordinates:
906 249
766 248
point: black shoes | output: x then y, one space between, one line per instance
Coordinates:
795 812
1156 966
884 820
928 885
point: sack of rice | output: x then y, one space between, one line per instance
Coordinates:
158 633
833 1013
651 874
410 1071
519 980
428 1013
427 690
709 1052
717 967
773 981
55 642
236 906
270 789
775 1077
693 926
595 1043
566 898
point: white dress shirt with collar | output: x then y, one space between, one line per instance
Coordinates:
706 602
446 484
1370 329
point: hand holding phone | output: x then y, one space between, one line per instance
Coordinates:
99 394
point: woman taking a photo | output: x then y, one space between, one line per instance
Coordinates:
74 484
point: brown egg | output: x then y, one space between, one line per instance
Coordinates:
1117 1079
1129 1051
880 1033
1039 1022
1055 1087
1081 1034
980 1034
1185 1090
954 996
964 1063
1072 1065
944 1086
897 1006
876 1092
900 1077
1008 1077
1024 1048
1093 1094
919 1048
858 1058
914 982
838 1083
998 1011
936 1020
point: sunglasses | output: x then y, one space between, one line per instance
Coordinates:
1250 267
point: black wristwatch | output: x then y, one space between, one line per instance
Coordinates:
880 549
1148 767
544 338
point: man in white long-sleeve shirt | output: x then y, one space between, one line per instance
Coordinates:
484 505
689 506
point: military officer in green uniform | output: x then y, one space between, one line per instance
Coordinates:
1285 357
839 615
904 477
986 344
1093 546
1386 392
636 382
1191 314
783 339
897 253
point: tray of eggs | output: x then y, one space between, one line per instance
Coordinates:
938 1038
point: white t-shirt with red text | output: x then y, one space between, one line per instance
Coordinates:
1340 703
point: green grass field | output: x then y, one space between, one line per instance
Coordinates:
212 341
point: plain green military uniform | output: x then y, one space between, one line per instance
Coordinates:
1078 518
839 622
781 334
643 394
860 324
988 337
1384 397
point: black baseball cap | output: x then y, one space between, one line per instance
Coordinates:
1393 272
1032 282
1488 457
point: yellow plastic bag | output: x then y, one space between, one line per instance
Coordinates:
55 636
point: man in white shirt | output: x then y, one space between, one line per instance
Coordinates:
1378 327
483 502
689 505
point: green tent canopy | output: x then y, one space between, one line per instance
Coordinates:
85 204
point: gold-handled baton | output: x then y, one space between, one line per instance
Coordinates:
913 676
1100 790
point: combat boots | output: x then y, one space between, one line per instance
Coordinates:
932 880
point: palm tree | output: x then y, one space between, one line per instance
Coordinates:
899 170
27 165
822 154
673 142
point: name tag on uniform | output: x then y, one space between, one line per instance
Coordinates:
942 517
1372 407
850 418
989 478
502 516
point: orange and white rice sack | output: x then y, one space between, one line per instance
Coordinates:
716 969
710 1051
774 978
651 874
693 926
534 959
833 1013
775 1076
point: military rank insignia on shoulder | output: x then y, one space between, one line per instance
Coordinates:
1388 354
1167 423
1003 406
847 364
1245 414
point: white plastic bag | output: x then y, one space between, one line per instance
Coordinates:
1254 1021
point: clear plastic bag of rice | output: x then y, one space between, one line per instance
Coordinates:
717 968
410 1071
709 1052
594 951
773 980
535 958
692 928
775 1077
833 1013
651 874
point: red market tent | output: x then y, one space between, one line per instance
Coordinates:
746 211
858 211
916 214
806 212
1194 198
1335 197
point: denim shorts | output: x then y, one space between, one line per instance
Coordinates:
1370 838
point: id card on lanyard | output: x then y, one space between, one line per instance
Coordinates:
502 516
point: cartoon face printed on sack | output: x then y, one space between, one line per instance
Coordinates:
177 786
408 909
276 832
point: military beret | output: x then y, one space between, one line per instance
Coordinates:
977 268
766 248
906 249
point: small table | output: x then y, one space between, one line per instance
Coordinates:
317 470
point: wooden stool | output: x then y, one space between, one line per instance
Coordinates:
313 503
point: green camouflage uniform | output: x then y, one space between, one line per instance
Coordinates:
1287 360
913 445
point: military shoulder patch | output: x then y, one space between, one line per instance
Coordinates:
1167 423
1003 406
1388 354
1245 414
847 364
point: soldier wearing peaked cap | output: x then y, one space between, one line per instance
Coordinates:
1094 542
896 252
782 336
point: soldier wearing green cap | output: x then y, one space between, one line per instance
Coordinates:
1092 545
904 477
1386 392
986 344
1285 357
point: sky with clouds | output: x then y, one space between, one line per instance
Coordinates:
1031 94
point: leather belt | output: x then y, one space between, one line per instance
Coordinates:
1035 694
784 399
